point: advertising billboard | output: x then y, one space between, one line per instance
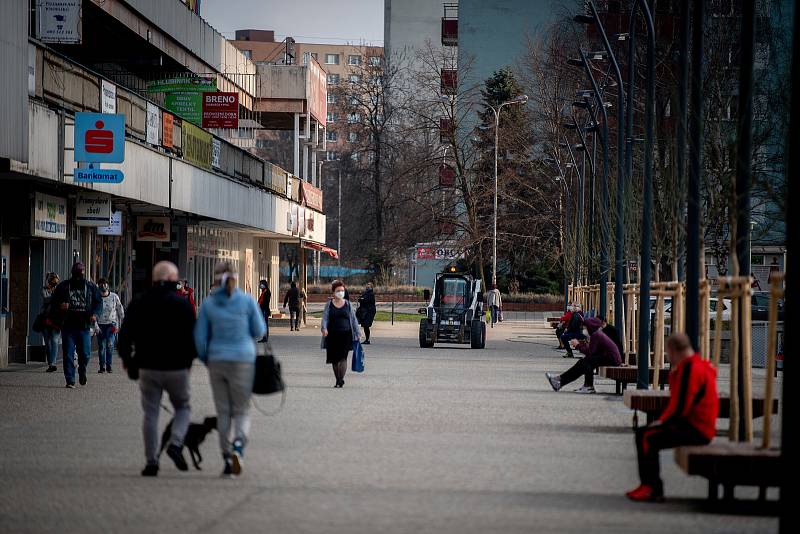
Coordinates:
220 110
196 145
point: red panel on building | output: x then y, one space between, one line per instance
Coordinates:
449 81
220 110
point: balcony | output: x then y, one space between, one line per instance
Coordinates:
450 25
445 129
449 81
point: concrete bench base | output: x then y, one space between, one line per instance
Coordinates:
729 464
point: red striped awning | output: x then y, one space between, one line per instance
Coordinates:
322 248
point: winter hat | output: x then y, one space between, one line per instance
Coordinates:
593 324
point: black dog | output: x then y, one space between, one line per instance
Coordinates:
195 435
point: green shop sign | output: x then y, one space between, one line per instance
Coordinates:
188 106
198 84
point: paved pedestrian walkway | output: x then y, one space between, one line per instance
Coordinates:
426 440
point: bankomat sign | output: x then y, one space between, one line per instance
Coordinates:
99 138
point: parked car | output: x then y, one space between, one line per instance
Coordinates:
759 307
714 305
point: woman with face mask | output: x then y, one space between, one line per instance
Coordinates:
108 323
265 295
339 331
50 333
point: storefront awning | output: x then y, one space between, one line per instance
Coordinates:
322 248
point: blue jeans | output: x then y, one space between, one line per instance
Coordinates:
72 340
106 339
567 336
51 339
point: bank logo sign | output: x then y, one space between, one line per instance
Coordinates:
99 138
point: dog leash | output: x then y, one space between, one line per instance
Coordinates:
276 412
164 407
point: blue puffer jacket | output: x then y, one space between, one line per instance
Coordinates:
228 326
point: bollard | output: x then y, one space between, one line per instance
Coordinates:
392 312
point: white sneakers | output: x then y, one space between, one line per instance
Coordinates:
585 390
555 381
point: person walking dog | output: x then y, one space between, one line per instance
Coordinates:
230 321
156 344
339 330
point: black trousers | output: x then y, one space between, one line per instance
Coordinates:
559 331
586 366
294 317
652 439
366 333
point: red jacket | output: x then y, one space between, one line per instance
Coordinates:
693 395
565 318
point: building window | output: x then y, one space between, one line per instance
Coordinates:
375 61
333 79
331 59
353 101
307 56
352 137
354 60
331 98
355 78
331 117
248 54
332 136
331 155
354 156
353 118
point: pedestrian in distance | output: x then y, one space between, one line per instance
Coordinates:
156 346
495 303
108 322
292 299
339 331
50 333
575 330
187 292
690 418
599 351
264 298
230 321
563 321
74 308
366 310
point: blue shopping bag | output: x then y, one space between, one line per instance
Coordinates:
358 357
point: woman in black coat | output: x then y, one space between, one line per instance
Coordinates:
366 310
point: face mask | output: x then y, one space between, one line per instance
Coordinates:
179 286
585 332
104 288
339 294
262 287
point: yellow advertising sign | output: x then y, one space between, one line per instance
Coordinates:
196 145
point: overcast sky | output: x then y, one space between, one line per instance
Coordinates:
325 21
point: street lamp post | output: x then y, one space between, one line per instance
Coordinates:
620 214
522 99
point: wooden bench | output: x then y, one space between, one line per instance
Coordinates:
627 374
731 464
554 321
653 401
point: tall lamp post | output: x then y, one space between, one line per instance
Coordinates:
522 99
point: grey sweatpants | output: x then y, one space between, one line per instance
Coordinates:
152 384
232 386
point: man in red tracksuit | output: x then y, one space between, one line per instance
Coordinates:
690 418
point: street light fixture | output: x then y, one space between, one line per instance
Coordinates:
519 100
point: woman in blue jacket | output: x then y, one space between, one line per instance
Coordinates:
225 335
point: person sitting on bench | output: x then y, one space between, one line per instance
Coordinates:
599 351
690 418
574 330
612 333
562 324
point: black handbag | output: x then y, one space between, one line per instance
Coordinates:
268 378
39 323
